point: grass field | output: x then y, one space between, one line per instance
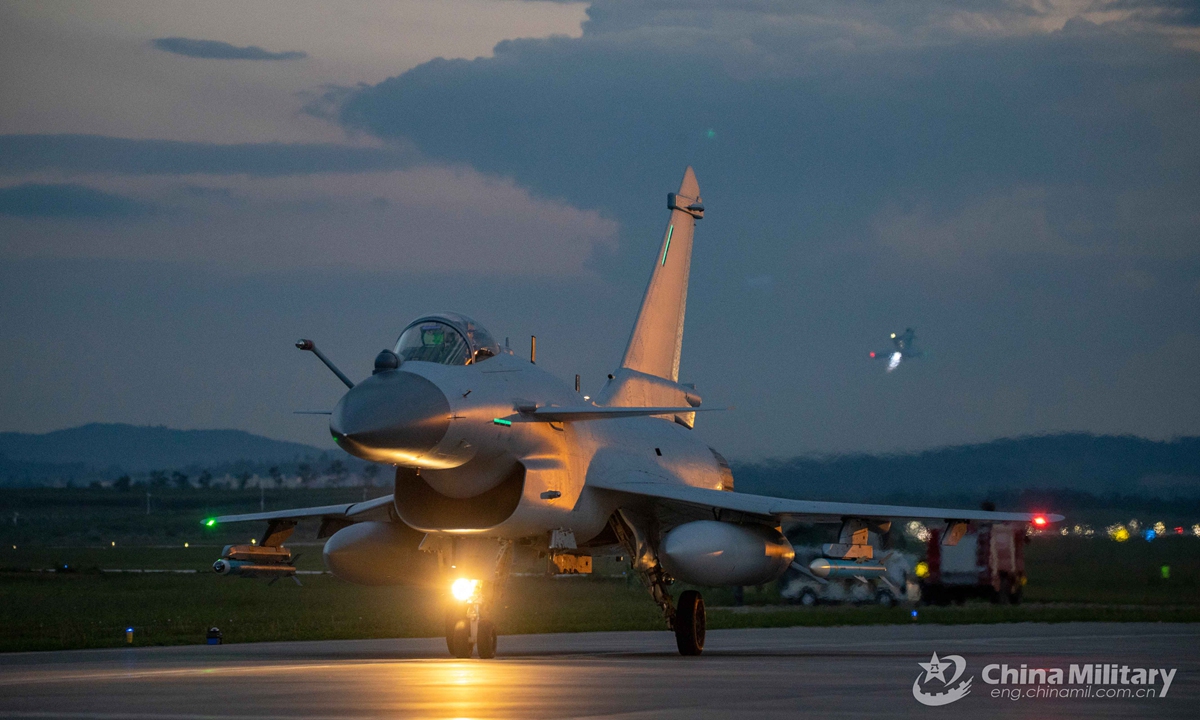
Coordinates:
1070 580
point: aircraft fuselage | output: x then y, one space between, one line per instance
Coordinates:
394 415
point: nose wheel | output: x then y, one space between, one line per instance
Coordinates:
467 632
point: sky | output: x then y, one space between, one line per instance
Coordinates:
186 189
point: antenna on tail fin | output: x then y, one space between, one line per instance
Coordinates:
657 337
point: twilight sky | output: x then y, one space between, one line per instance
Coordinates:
187 188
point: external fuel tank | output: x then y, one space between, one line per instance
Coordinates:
711 553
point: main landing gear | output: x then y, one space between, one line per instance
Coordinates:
690 623
686 617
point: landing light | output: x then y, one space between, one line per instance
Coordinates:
464 590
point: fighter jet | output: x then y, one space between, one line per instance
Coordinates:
903 349
493 454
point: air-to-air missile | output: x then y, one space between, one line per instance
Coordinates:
833 569
255 561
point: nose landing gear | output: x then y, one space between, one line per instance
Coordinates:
466 630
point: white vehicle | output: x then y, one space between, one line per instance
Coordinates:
492 452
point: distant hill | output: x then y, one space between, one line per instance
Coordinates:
110 448
1098 465
1094 464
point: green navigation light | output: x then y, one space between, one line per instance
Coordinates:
210 522
670 232
502 421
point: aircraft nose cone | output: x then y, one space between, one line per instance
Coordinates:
393 417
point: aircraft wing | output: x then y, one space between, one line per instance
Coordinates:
348 511
798 510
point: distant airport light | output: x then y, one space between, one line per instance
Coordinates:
465 590
1040 520
922 569
185 544
253 541
1150 535
129 635
114 543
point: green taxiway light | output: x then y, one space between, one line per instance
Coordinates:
670 232
502 421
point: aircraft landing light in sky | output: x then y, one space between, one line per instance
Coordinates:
493 454
904 348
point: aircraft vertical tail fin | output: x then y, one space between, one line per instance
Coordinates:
657 337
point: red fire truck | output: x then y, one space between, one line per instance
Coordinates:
988 562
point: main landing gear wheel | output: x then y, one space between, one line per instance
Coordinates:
690 623
485 643
458 637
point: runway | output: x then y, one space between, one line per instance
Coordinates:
761 673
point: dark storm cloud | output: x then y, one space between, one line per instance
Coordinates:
91 153
66 201
1170 12
590 118
217 50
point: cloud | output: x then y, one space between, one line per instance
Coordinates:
21 154
69 201
420 221
217 50
821 117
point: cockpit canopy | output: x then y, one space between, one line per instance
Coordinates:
446 338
